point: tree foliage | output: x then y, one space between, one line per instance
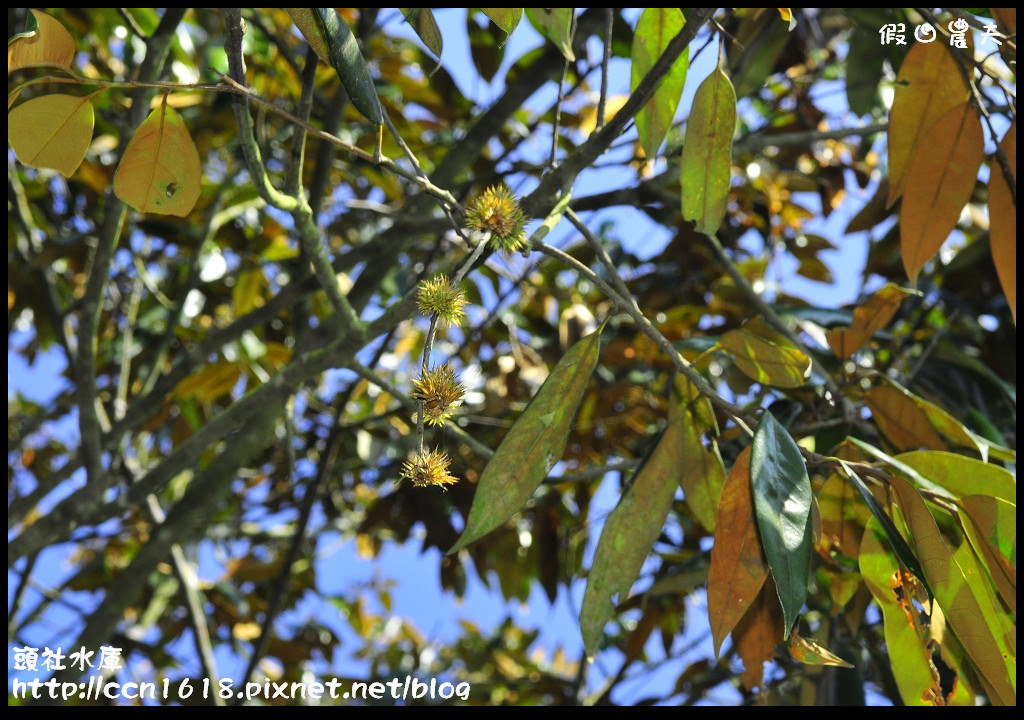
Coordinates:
303 288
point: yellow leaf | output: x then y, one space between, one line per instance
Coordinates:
49 45
210 383
160 171
940 179
870 317
588 115
245 631
809 652
905 639
770 361
928 85
1002 217
901 420
52 131
247 295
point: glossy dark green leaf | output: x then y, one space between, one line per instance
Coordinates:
899 545
332 39
631 530
533 445
782 504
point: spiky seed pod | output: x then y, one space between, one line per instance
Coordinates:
429 467
438 296
439 390
497 211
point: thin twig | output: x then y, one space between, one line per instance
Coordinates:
605 60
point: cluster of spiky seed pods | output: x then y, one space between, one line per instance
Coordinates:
437 390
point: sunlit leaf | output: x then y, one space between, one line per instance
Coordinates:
901 420
533 445
703 473
787 17
782 503
52 131
654 31
631 530
160 171
757 633
333 41
962 475
557 25
905 639
738 565
505 18
991 525
941 177
809 652
45 43
1002 217
769 361
212 382
706 163
955 595
868 318
928 85
1000 624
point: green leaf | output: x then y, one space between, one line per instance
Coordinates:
955 595
52 131
332 39
631 530
654 31
557 25
505 18
896 541
905 639
991 526
422 21
864 67
962 475
533 445
703 473
769 361
782 503
707 153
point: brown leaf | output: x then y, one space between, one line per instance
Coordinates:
941 176
1002 217
901 420
738 566
928 84
869 317
756 634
